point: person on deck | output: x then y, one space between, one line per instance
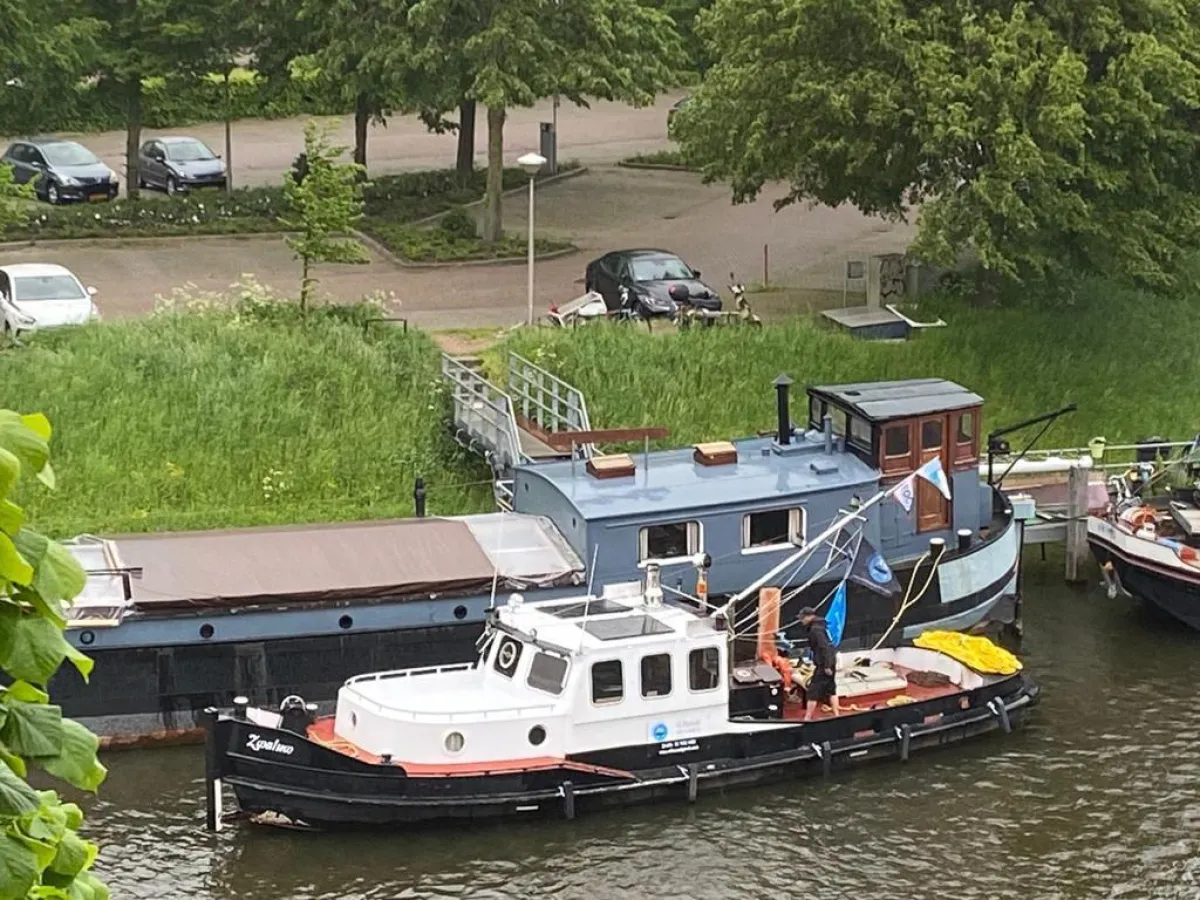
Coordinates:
823 686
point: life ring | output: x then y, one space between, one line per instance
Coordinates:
1142 515
783 667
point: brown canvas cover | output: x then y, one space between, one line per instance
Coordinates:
390 560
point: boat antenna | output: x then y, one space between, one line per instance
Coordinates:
592 571
496 561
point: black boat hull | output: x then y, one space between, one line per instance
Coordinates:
1171 593
318 787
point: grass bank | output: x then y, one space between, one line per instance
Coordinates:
1127 359
227 418
393 204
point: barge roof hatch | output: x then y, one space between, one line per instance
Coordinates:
325 564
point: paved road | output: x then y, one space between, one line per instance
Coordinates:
599 211
264 148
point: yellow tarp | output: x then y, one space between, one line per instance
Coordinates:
974 651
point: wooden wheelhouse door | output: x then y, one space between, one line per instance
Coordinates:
933 437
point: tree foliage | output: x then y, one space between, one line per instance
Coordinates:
511 53
325 200
14 198
1045 137
41 855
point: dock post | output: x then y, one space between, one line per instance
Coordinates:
212 772
419 497
1077 510
693 782
568 790
904 736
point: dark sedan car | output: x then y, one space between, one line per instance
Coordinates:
175 164
658 282
61 170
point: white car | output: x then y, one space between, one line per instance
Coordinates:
36 295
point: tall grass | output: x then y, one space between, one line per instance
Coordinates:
216 419
1130 361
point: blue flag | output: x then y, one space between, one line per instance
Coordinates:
835 619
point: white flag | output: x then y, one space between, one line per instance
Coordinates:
933 472
903 492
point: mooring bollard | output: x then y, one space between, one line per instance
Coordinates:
1077 511
568 790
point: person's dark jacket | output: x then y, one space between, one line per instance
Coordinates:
824 653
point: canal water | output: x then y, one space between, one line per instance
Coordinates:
1099 798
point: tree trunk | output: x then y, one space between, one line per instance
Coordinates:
362 118
133 135
228 136
465 161
493 225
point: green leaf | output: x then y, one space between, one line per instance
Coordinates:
87 887
19 869
10 613
47 477
11 516
38 424
73 815
58 574
27 693
10 471
32 730
74 855
13 761
77 763
16 797
13 566
23 441
38 649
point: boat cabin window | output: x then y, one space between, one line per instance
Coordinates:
547 673
668 541
931 434
704 669
507 656
860 432
964 437
608 682
656 675
773 528
897 447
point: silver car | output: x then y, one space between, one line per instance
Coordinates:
177 164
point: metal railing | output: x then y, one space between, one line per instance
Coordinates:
484 418
547 401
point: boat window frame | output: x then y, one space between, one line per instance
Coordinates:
670 680
897 463
966 451
606 701
562 681
695 540
797 531
508 671
862 440
694 667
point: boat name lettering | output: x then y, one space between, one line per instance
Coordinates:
684 746
688 727
254 742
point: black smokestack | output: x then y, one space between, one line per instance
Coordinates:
782 383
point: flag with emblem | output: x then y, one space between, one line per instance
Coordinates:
905 494
933 472
871 570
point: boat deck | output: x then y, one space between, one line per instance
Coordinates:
793 709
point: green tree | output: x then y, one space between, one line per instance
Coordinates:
325 200
511 53
143 39
41 855
1046 138
13 199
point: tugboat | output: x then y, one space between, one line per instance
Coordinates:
1148 540
622 698
180 622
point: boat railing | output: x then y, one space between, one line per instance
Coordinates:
484 414
547 401
481 714
1069 457
412 673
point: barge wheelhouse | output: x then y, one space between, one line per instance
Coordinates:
180 622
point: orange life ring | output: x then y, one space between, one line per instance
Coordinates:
1141 516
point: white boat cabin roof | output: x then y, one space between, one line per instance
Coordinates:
621 617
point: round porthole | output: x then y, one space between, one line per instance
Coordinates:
460 612
507 655
346 622
537 734
455 741
207 631
87 637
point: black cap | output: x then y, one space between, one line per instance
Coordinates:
807 611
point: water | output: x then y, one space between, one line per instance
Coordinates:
1099 798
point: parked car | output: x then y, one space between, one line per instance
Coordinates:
175 164
658 283
61 171
38 295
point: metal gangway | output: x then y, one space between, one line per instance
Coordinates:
528 421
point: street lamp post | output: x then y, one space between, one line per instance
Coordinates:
531 163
